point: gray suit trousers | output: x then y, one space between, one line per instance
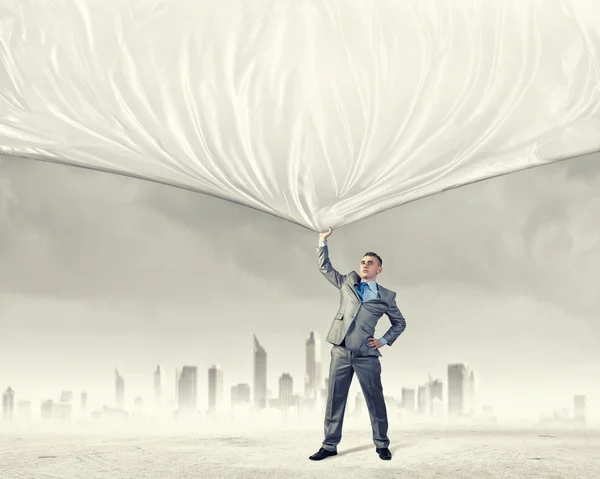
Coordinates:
341 371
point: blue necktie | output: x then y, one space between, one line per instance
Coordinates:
361 290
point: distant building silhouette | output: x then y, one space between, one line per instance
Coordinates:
157 386
62 410
429 394
408 400
461 389
55 410
66 396
187 390
286 392
83 402
260 376
119 391
312 380
240 394
46 409
8 403
215 388
436 396
424 399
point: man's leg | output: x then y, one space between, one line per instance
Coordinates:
368 371
340 377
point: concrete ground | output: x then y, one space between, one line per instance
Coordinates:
427 453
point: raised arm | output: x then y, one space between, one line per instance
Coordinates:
334 277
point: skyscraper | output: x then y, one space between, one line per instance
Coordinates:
215 388
471 402
260 376
187 389
83 402
286 391
424 399
461 389
119 391
8 403
408 399
312 380
157 386
436 395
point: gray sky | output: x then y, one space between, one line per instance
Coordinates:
101 271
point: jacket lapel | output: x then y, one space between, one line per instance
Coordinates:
356 283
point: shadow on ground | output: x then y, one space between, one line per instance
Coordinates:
365 448
356 449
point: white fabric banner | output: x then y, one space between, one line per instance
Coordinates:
320 112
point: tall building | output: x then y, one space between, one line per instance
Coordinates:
240 394
215 388
8 403
436 396
461 389
424 399
408 399
260 375
286 391
312 380
119 391
187 389
472 399
83 402
157 386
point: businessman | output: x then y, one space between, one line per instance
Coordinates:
362 303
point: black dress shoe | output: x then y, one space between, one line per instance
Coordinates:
322 454
384 453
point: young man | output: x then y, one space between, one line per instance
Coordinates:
362 303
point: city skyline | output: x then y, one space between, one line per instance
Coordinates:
455 397
501 273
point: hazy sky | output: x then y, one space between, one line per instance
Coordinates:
100 271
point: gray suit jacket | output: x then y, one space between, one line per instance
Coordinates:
356 321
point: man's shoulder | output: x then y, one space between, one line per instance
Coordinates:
386 290
353 276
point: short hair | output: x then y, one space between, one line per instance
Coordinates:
375 255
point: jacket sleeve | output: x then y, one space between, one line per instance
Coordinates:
327 270
398 323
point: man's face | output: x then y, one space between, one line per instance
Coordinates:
369 268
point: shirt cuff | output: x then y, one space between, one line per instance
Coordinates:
322 243
383 341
